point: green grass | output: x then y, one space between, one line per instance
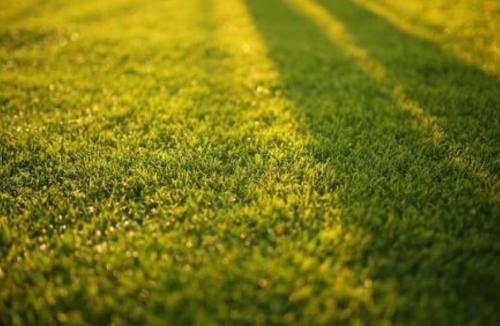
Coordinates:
226 162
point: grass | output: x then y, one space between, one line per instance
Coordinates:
468 28
243 162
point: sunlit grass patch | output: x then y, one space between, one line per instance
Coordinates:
470 28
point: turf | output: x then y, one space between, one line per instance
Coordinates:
243 162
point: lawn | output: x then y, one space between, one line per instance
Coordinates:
212 162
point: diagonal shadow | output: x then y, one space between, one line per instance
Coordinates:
465 100
421 210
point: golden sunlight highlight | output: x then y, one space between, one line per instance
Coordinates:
337 33
467 29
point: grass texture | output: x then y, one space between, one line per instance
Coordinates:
248 162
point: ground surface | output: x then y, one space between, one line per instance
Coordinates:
205 161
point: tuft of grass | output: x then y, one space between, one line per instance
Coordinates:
212 162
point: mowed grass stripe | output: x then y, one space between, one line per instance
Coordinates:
295 183
123 167
461 98
469 30
398 188
338 33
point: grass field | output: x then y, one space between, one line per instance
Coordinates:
250 162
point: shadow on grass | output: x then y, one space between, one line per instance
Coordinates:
431 222
465 100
